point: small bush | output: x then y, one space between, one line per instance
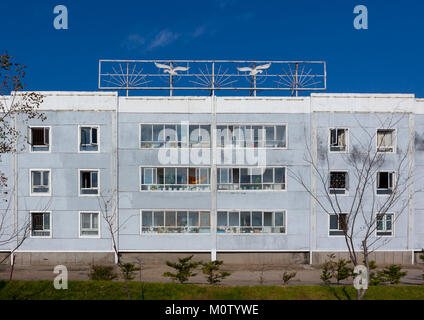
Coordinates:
341 270
328 270
211 270
287 276
128 270
375 277
183 269
392 274
99 272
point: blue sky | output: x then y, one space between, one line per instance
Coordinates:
386 58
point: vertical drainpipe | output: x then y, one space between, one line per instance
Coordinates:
410 229
116 173
314 144
15 191
213 180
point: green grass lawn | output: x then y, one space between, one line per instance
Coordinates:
113 290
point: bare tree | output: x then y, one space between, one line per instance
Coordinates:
360 213
16 106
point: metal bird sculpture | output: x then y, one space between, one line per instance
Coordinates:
255 70
169 69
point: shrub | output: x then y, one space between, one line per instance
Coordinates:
328 270
341 270
375 277
183 269
287 276
99 272
211 270
128 270
392 274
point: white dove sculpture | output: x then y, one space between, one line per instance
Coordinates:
171 70
254 71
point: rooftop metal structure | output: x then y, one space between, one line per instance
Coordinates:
208 77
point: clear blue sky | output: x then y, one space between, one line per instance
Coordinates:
386 58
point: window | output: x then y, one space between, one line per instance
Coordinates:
252 136
175 179
251 178
89 224
338 140
385 181
386 140
338 182
40 139
251 222
40 182
89 139
175 136
385 224
40 224
89 182
175 221
337 224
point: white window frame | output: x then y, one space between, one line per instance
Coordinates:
262 183
394 139
377 180
80 137
30 139
99 225
346 189
98 183
346 139
51 225
176 233
263 125
385 224
187 123
338 223
40 194
238 233
176 167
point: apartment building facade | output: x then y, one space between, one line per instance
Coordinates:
207 175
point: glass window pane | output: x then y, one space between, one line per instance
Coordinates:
146 132
170 219
171 133
203 176
45 178
85 136
245 219
158 133
334 222
204 219
95 217
181 175
36 178
279 219
234 219
268 175
389 222
146 219
158 218
256 219
160 176
279 175
182 218
85 221
281 136
269 132
94 181
94 135
192 176
268 219
222 219
244 175
46 221
193 219
169 175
